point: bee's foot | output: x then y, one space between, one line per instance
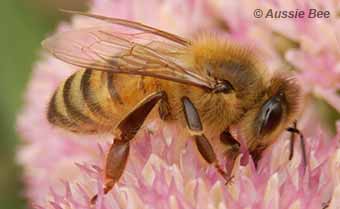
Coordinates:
108 186
94 199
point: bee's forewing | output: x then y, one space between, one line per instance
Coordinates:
102 48
135 25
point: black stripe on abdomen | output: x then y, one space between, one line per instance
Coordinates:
71 108
57 118
89 94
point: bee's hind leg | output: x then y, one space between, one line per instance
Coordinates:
128 127
196 129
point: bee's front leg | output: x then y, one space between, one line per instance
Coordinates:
128 127
232 148
196 129
164 109
256 154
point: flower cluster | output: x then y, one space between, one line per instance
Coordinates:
62 170
310 46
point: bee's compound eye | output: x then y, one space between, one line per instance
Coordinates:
270 115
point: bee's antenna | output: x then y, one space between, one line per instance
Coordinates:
294 130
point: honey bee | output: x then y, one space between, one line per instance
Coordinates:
208 84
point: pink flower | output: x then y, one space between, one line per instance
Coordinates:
63 170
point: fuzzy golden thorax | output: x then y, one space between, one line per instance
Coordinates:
226 61
220 60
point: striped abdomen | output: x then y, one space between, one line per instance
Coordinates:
91 101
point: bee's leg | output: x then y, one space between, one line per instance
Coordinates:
232 147
291 145
128 127
256 154
164 109
115 163
294 130
232 144
196 129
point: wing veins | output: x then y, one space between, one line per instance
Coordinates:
101 48
136 26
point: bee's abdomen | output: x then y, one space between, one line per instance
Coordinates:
86 102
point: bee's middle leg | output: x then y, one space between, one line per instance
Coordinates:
128 127
203 145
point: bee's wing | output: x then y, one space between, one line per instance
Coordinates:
134 25
146 52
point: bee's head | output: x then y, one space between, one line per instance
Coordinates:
273 113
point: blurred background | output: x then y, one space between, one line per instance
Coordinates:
24 24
